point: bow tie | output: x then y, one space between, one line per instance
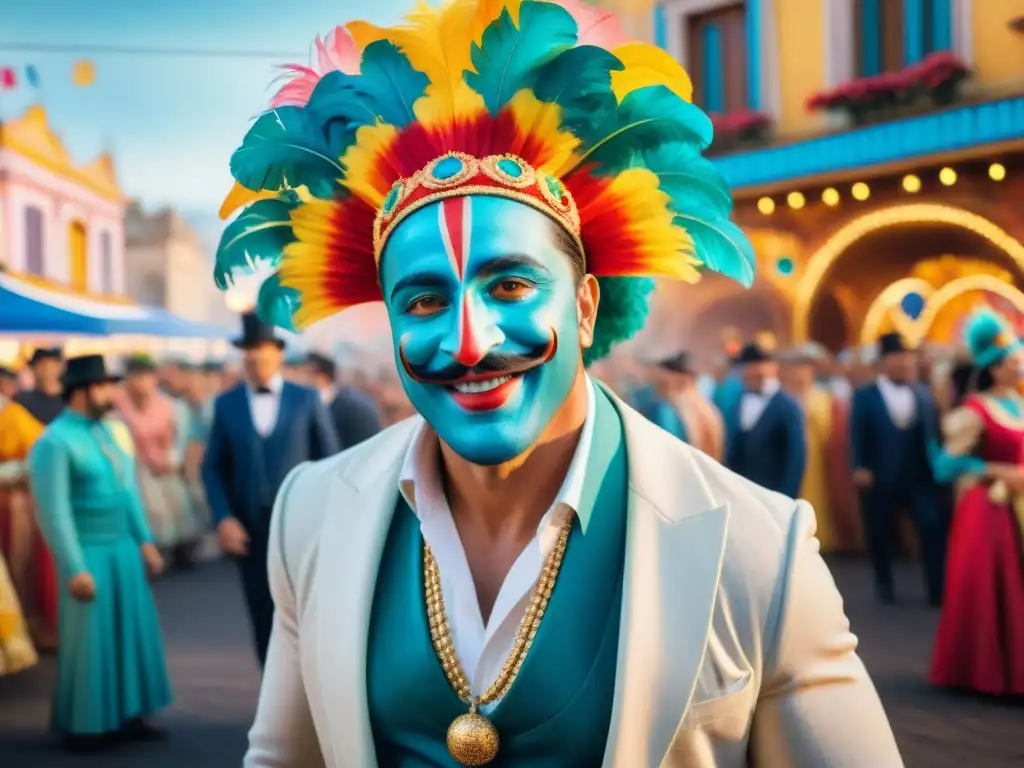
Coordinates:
264 391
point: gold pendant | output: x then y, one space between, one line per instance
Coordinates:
472 739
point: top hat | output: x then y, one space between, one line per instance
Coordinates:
54 353
753 353
140 364
84 371
256 332
678 363
891 344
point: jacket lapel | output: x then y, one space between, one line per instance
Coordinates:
675 541
362 502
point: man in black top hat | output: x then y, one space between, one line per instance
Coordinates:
111 672
355 415
769 444
44 401
893 422
260 431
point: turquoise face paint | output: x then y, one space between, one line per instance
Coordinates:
482 306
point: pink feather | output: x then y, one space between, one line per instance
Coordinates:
596 27
335 52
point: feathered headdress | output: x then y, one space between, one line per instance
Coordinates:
989 338
543 103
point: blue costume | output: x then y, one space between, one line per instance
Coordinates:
242 471
110 658
899 458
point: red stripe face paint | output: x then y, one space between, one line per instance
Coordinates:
455 219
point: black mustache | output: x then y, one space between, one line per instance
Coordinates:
495 363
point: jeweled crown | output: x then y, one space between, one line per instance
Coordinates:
455 174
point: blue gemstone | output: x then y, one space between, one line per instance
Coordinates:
447 168
392 199
912 305
784 266
510 168
556 188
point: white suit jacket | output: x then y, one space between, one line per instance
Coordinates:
734 648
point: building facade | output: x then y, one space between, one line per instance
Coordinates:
61 223
168 266
875 149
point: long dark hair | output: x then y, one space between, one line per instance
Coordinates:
968 378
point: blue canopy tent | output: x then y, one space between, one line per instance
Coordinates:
28 309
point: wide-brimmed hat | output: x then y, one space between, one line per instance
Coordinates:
51 353
84 371
677 363
754 353
255 332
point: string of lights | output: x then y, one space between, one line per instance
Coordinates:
135 50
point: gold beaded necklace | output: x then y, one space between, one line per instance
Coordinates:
472 738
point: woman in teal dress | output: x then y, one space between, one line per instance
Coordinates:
111 672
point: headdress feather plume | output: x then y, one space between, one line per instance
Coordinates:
547 103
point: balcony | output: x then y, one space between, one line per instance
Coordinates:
937 133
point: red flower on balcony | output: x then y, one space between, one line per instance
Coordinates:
938 76
740 124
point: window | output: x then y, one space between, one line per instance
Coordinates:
34 243
78 256
894 33
106 264
716 46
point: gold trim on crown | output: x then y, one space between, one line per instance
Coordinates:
514 178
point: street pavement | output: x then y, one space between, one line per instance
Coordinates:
216 685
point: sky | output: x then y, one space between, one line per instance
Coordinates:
171 122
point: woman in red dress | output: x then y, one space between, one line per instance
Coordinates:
980 642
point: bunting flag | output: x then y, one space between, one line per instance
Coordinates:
8 78
32 76
84 73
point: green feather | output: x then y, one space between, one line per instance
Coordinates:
391 80
622 312
257 236
646 119
276 304
507 57
285 145
580 82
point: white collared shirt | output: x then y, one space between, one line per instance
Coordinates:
753 404
481 649
899 401
265 407
327 395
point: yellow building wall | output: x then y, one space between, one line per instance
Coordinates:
998 50
800 25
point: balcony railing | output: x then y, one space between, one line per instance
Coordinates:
931 134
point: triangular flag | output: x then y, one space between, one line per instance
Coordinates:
84 73
8 78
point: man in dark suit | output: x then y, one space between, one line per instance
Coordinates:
355 415
44 401
769 445
893 422
261 430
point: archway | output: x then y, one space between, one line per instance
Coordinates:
881 247
78 257
748 312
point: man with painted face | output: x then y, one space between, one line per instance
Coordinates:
528 573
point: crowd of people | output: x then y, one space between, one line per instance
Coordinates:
864 436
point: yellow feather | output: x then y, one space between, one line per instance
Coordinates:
667 249
646 65
361 161
305 261
363 33
539 120
239 196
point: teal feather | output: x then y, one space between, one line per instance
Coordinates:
285 145
276 304
507 57
257 236
580 82
621 314
981 332
339 105
702 203
647 118
394 84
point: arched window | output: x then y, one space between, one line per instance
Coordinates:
894 33
78 256
106 263
34 242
